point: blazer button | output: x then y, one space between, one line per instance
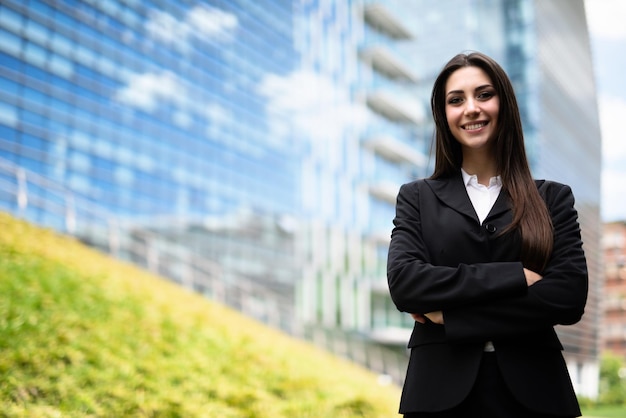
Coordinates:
490 228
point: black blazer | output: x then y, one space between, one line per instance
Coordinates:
442 258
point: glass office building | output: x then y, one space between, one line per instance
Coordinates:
132 124
252 150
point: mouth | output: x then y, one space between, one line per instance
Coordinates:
474 126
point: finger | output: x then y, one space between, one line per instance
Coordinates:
418 318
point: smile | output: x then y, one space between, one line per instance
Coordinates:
473 126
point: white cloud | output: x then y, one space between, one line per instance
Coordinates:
605 18
212 22
146 90
203 22
607 30
613 194
612 111
314 105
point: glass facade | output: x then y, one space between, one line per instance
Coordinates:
252 150
568 141
132 124
149 109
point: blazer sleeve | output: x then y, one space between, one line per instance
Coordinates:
559 298
417 286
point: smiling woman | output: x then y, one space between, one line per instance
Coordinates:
486 260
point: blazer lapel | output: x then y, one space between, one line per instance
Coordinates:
452 192
501 205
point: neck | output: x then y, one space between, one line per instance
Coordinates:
480 164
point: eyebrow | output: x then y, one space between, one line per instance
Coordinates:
479 88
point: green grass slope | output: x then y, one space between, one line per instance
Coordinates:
82 335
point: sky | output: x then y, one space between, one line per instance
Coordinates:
607 31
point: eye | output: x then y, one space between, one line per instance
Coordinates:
485 95
454 100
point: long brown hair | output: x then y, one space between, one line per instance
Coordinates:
530 214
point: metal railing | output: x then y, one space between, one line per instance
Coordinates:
30 196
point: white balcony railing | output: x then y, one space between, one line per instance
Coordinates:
382 18
395 107
394 150
385 191
383 61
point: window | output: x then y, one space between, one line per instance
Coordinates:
8 114
35 55
9 43
10 20
37 33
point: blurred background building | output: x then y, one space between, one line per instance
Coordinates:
614 301
252 150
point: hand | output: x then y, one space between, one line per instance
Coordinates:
419 318
435 317
531 277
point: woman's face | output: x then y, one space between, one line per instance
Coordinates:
472 107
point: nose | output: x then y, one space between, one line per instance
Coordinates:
471 107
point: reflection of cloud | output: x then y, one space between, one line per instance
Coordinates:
605 18
203 22
166 28
312 103
212 22
218 117
217 114
145 90
182 119
612 111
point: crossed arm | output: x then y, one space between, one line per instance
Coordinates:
436 317
488 299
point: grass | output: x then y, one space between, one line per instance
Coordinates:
605 412
82 335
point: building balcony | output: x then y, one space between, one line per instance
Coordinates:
383 61
615 307
395 107
613 334
385 191
380 237
380 17
394 150
379 284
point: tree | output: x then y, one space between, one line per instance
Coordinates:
612 380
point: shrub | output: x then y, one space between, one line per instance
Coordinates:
82 335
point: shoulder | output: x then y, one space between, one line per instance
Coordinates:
555 193
414 185
440 183
548 188
411 190
427 185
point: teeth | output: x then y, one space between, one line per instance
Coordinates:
475 126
